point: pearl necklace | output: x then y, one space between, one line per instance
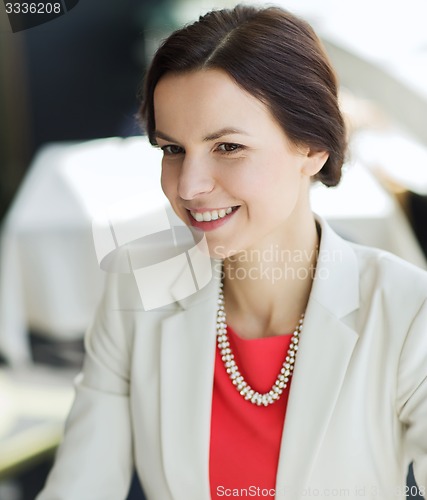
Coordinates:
236 377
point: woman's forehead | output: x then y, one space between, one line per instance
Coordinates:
207 98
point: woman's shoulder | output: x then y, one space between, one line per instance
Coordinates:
370 271
133 294
389 273
377 258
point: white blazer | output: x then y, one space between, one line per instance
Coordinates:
357 410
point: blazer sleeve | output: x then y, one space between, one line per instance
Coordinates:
412 395
95 459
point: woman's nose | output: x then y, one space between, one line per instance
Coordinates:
195 178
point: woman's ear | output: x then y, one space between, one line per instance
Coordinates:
314 162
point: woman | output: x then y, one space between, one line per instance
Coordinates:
197 395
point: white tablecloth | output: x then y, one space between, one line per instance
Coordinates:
50 279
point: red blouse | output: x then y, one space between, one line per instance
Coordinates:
245 438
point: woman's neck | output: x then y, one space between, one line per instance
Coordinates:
267 287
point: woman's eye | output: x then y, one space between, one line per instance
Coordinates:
171 149
229 147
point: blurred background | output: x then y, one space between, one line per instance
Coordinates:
70 146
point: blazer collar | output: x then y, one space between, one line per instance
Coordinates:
187 369
336 283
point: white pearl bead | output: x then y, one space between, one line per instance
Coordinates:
231 367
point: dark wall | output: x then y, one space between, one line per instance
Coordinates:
84 69
73 78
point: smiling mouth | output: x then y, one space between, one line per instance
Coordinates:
212 215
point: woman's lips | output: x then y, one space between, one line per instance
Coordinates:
213 224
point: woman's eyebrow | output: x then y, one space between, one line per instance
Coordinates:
211 137
222 132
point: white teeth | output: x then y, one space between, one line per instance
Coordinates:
213 215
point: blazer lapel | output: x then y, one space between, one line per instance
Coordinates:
325 348
187 370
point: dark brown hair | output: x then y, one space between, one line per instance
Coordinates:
274 56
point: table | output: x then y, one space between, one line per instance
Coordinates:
34 404
50 277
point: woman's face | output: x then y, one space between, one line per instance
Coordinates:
228 168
